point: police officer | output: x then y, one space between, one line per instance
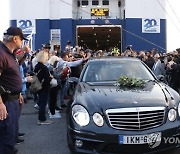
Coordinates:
10 88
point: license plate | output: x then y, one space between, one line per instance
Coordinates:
140 139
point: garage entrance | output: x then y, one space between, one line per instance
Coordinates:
99 37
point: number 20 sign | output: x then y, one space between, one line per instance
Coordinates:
27 26
150 25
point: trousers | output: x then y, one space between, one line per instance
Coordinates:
9 127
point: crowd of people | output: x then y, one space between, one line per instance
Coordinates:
53 69
162 64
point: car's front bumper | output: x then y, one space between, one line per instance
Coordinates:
106 141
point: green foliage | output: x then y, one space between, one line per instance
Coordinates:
129 82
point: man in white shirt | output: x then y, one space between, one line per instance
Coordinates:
158 67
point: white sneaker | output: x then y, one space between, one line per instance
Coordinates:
56 115
47 122
57 111
36 106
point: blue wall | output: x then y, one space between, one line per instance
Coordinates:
135 26
13 23
66 26
68 32
42 32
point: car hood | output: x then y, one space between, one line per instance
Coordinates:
109 96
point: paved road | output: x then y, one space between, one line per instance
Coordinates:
45 139
42 139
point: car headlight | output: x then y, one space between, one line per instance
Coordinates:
98 119
179 109
172 115
80 115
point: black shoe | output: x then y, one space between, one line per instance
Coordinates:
21 134
64 106
19 141
15 151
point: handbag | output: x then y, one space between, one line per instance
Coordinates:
53 83
36 85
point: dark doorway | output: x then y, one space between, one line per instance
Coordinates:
99 37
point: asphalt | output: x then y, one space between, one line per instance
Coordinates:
41 139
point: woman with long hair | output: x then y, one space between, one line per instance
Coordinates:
45 78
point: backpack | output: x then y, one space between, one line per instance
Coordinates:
36 85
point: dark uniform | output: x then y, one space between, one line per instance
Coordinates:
10 80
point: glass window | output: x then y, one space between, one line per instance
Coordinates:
84 2
105 2
111 71
95 2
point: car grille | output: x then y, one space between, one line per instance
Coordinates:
139 118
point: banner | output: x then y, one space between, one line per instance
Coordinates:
55 34
27 26
150 25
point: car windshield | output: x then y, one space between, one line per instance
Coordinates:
102 71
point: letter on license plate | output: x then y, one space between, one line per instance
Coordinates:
139 139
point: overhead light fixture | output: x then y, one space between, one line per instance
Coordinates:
99 6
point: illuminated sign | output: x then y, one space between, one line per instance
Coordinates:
99 12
